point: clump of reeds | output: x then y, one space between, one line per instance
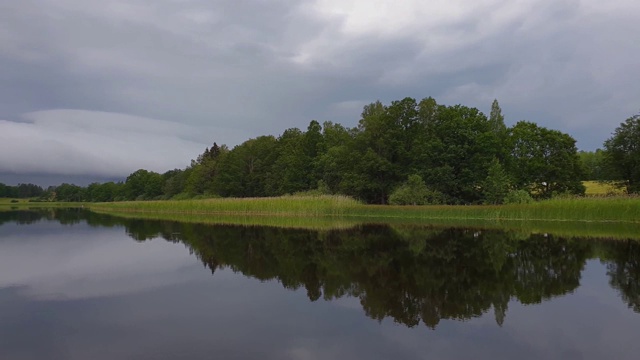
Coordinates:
611 209
325 205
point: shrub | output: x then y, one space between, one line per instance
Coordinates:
496 186
415 192
181 196
518 197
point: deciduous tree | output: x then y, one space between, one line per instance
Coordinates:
622 153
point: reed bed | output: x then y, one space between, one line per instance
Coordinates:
609 209
614 217
278 206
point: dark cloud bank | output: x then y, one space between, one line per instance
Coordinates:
95 90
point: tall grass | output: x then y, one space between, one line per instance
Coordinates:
610 209
284 206
616 217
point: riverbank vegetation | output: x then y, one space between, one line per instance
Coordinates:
406 153
581 229
610 209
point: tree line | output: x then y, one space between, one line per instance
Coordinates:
21 191
407 152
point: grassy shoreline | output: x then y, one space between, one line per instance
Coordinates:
600 230
617 217
611 209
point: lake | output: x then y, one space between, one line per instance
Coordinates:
80 285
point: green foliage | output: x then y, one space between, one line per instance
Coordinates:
462 156
244 171
321 189
415 192
496 119
622 153
20 191
143 185
181 196
497 184
293 167
104 192
70 193
518 197
458 148
594 166
380 145
544 161
174 182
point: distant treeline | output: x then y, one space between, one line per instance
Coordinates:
407 152
21 191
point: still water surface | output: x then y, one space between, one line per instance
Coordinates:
77 285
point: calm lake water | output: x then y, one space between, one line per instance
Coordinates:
78 285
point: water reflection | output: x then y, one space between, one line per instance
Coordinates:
412 275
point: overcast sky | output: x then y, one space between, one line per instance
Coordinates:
98 89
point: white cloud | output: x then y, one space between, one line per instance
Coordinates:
234 70
77 142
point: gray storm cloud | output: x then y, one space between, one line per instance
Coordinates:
76 142
237 69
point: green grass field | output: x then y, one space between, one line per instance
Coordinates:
10 201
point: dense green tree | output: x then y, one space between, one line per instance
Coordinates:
496 119
199 178
292 169
20 191
243 171
174 182
458 148
497 184
313 147
544 161
195 180
622 153
335 164
593 165
7 191
143 185
415 192
104 192
380 148
70 193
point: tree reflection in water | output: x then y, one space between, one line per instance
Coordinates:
408 274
